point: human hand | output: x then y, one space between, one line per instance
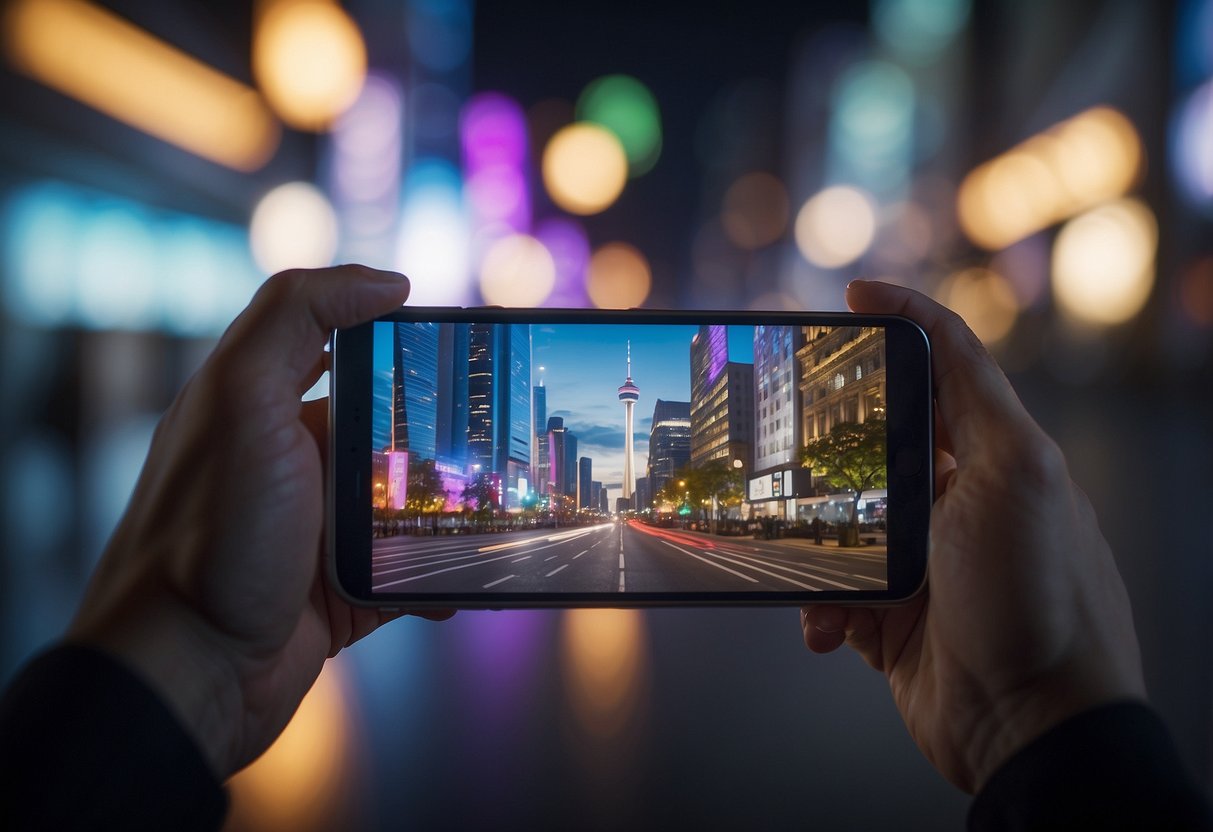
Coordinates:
211 587
1024 621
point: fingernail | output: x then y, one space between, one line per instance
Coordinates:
856 282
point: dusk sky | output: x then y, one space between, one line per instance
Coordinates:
584 365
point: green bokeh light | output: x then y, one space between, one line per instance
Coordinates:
624 105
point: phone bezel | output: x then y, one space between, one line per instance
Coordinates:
909 395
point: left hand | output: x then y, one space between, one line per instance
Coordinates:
212 587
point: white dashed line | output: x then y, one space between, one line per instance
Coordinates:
498 581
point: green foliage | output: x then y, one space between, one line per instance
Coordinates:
425 492
851 456
693 486
480 496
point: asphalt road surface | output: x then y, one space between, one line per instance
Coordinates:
618 557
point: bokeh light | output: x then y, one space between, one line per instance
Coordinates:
584 168
309 61
1196 291
618 277
570 250
1192 147
1088 159
432 249
627 108
836 226
1103 262
872 126
517 270
603 653
917 30
293 227
494 139
984 298
297 783
73 257
755 210
91 54
440 33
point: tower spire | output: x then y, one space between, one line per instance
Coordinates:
629 358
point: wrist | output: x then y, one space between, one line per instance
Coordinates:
179 659
1018 720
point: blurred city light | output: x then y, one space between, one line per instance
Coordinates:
309 60
433 246
365 171
603 653
570 249
87 52
918 30
836 226
517 270
298 782
907 235
1103 262
293 227
1194 41
618 277
1192 147
367 141
872 126
1083 161
628 109
75 257
440 33
494 139
584 168
1196 291
755 210
984 298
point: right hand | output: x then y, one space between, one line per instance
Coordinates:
1025 620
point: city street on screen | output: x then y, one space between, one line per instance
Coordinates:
649 458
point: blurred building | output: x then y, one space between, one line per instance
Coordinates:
643 498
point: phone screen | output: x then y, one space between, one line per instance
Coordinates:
537 459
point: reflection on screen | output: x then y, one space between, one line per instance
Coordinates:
601 458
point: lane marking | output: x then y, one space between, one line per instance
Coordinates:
622 582
521 559
794 572
582 552
375 586
553 557
711 563
498 581
452 560
557 569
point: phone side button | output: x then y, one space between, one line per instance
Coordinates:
908 462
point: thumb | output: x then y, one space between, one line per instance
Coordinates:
278 339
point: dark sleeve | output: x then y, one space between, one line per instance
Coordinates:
86 744
1113 767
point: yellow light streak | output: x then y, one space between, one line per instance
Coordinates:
1077 164
101 60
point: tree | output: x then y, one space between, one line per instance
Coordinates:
426 494
851 456
480 497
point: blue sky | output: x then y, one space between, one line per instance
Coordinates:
583 368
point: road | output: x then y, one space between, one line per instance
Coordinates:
618 557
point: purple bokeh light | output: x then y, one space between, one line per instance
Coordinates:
493 132
570 249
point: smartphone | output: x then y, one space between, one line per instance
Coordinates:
501 458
